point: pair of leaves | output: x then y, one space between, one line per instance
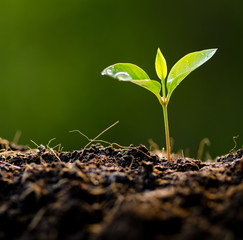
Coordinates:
132 73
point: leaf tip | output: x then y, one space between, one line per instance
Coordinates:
107 71
214 50
103 72
211 52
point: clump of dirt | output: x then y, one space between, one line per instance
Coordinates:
105 193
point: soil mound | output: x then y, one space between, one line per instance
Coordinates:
105 193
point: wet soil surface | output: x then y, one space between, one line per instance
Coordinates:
105 193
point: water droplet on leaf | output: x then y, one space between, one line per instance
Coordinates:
123 76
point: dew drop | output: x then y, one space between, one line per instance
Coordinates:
123 76
109 71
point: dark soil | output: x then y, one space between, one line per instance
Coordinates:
118 194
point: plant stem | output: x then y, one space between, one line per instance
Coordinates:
167 134
163 89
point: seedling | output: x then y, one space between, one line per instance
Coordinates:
128 72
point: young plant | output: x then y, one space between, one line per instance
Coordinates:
128 72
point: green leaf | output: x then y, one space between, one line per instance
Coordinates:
160 65
185 66
151 85
125 72
128 72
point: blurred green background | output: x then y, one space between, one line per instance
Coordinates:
52 53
